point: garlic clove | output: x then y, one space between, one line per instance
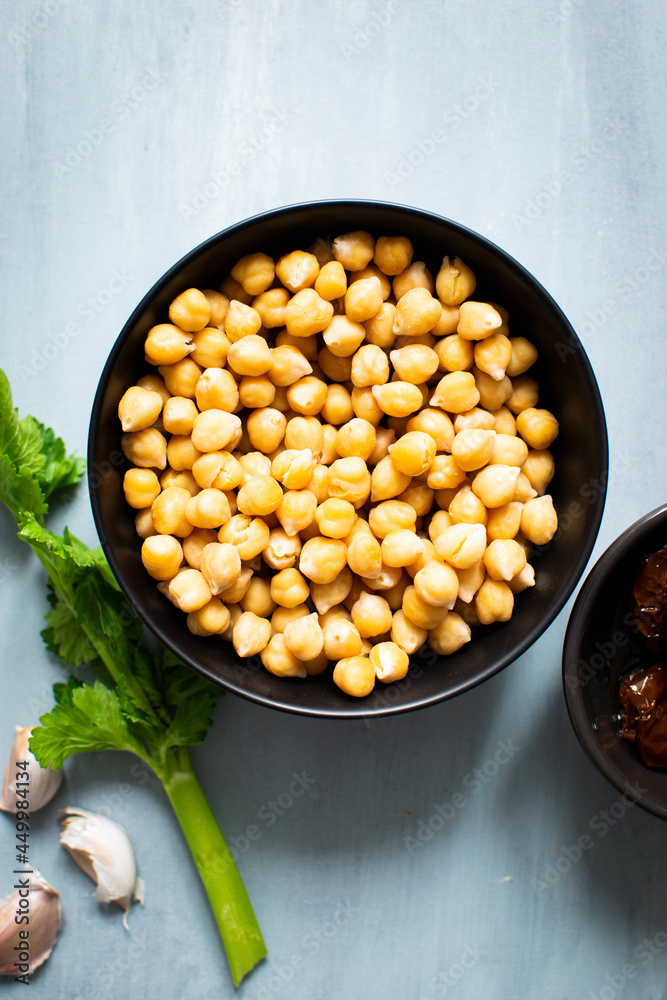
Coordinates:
45 917
102 848
43 783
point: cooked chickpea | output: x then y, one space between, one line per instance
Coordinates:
250 356
504 559
208 509
241 321
211 619
448 637
337 407
419 612
237 590
214 429
233 289
278 660
523 357
216 389
289 588
413 453
139 408
331 282
167 344
259 496
414 363
189 590
448 322
415 275
257 597
407 636
266 428
461 545
493 393
435 423
437 584
329 595
162 556
398 399
538 428
387 481
470 580
370 366
342 336
441 519
335 517
281 617
307 395
363 299
211 347
304 637
472 448
538 468
454 354
322 558
494 602
524 491
455 281
417 312
505 521
492 355
282 550
255 272
466 507
364 556
539 520
393 254
354 250
508 449
401 547
146 449
456 392
478 320
305 432
251 634
389 661
445 473
356 438
307 313
365 405
250 535
296 510
380 328
220 566
294 469
371 614
525 393
190 310
219 469
495 485
256 391
141 487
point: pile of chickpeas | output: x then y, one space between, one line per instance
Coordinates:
339 459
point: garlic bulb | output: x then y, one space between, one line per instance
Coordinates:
41 782
24 947
103 850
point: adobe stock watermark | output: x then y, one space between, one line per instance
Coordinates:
37 21
600 824
626 288
311 943
645 953
86 312
473 782
219 180
374 26
443 982
91 139
269 812
577 164
566 8
452 118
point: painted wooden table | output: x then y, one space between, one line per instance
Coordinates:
131 132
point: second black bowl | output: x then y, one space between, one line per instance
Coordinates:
567 387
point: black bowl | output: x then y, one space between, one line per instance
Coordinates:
601 644
567 386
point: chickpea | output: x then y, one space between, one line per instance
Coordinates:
371 614
282 550
365 405
456 392
241 321
304 637
523 357
413 453
414 363
322 558
162 556
401 547
251 634
417 312
211 619
448 637
504 559
281 617
508 449
331 282
387 481
213 430
363 299
454 354
293 469
355 439
296 510
237 590
493 393
329 595
437 584
504 422
146 449
494 602
307 313
470 580
143 523
233 289
270 305
523 580
538 428
472 448
448 322
257 597
208 509
416 275
338 369
220 566
141 487
335 518
250 356
266 428
478 320
139 408
398 399
505 521
278 660
525 392
342 336
190 310
337 407
167 344
538 468
289 588
475 419
216 389
493 354
524 491
393 254
455 282
364 556
255 272
370 366
445 473
419 612
389 661
305 432
461 545
349 479
435 423
219 470
289 364
380 328
466 507
539 520
211 346
407 636
495 485
354 250
194 544
250 535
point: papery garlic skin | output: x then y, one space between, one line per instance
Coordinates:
45 918
43 783
102 848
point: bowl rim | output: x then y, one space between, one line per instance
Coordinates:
572 686
532 634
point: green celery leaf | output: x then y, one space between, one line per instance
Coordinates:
64 636
191 699
19 492
62 692
91 719
59 470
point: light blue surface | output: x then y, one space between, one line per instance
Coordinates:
550 140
